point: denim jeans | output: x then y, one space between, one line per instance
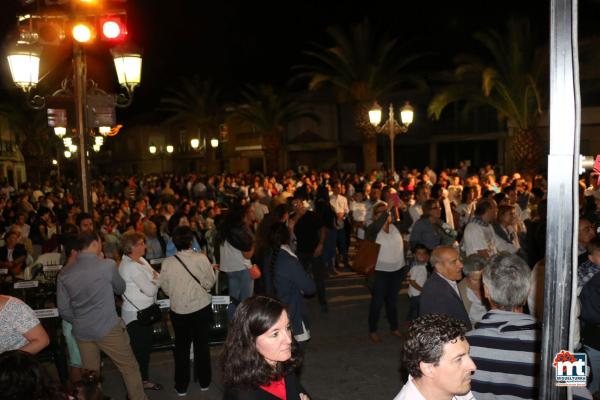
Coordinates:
241 285
385 291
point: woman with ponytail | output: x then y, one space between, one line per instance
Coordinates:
286 279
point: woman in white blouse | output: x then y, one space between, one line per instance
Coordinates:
141 280
471 287
389 269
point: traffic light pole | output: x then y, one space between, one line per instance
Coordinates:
80 93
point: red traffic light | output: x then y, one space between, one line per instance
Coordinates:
113 29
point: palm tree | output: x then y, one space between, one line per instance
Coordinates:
361 66
509 77
270 113
193 104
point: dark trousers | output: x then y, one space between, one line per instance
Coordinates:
342 246
413 310
385 291
316 267
141 343
193 327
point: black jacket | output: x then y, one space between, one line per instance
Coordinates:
438 297
590 312
19 251
292 386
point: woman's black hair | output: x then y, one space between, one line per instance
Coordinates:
23 378
183 238
174 222
234 218
465 193
243 366
279 234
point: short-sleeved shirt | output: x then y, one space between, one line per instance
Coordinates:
418 273
16 319
478 236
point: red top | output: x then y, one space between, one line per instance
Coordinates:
276 388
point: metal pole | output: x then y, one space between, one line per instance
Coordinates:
392 133
79 88
562 180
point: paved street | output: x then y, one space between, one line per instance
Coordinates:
340 361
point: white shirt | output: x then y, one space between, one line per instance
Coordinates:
448 211
339 204
391 252
232 259
478 309
359 211
415 212
140 289
186 295
418 273
478 237
507 247
410 392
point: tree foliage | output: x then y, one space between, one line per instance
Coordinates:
509 76
270 112
192 103
362 64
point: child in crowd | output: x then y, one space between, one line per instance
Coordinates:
417 275
358 213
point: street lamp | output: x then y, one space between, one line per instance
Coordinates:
391 127
214 143
24 62
195 143
161 150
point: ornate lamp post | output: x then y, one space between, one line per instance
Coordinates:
391 127
161 150
24 62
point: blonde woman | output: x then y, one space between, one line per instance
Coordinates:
141 287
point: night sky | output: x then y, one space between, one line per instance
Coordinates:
233 42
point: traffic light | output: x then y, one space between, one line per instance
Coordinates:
83 32
113 28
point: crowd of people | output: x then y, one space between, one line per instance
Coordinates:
469 243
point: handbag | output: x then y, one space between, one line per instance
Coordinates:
149 315
366 257
254 272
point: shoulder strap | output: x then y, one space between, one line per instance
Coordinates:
130 302
186 268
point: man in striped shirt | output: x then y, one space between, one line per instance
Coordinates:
505 345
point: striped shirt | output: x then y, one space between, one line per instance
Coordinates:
505 347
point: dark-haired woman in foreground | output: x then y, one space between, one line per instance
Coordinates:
261 356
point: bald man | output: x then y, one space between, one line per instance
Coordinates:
440 293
